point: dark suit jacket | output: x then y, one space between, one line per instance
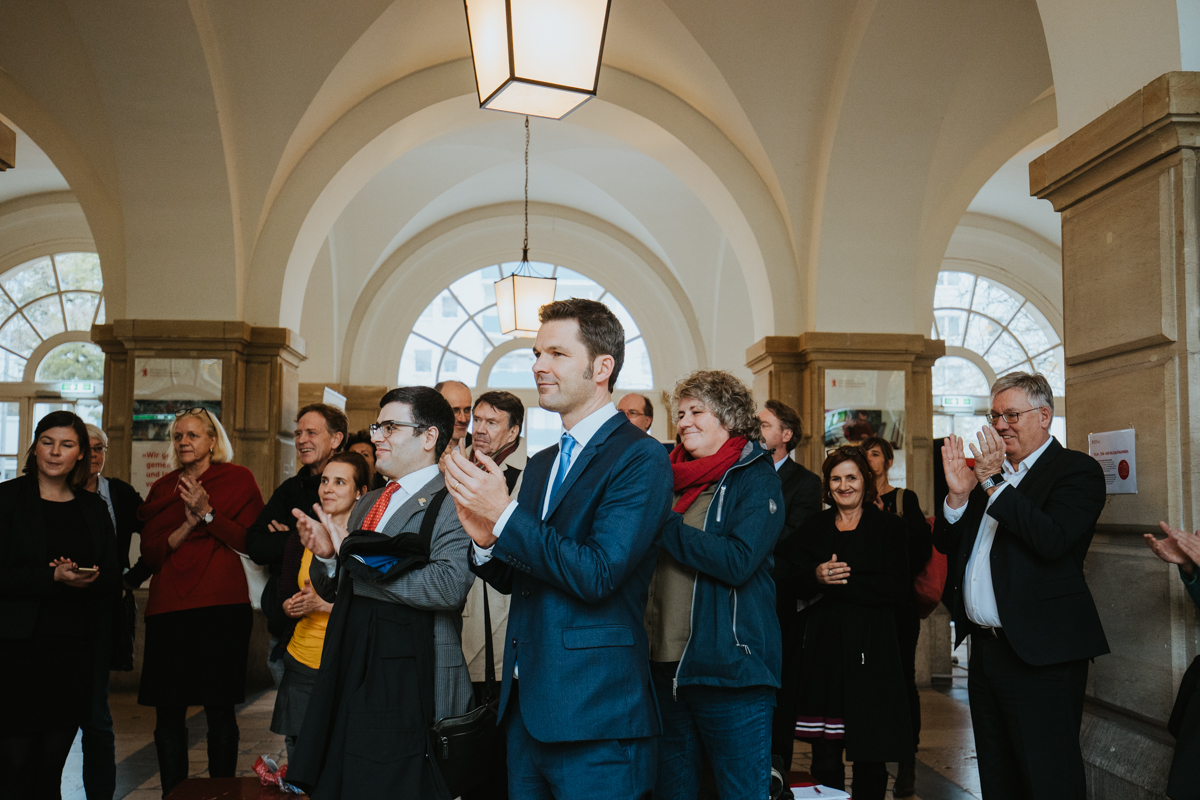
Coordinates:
801 500
26 578
1046 526
126 502
579 580
440 586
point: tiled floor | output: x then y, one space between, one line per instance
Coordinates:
945 769
137 767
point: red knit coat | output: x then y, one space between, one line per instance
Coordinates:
205 570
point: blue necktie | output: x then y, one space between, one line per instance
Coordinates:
564 462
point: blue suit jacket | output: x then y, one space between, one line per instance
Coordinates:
579 580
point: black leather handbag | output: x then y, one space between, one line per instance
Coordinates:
468 748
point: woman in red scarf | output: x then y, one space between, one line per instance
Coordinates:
198 619
714 638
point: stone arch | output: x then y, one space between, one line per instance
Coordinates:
430 103
388 306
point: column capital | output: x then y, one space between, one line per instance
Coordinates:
1159 119
189 335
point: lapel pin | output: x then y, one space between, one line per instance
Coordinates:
420 501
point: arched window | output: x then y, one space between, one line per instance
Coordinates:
43 298
990 330
47 363
457 334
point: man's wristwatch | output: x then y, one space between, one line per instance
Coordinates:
992 480
208 518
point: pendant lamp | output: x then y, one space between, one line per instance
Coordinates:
520 296
536 57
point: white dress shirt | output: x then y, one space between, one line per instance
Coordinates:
979 592
582 433
410 484
103 490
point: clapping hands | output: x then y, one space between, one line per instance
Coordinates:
323 536
1179 547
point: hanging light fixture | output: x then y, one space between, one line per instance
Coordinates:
536 57
524 292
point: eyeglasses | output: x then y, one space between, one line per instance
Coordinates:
197 410
390 426
634 414
1010 417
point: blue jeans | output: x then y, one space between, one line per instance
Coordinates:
731 726
591 770
99 743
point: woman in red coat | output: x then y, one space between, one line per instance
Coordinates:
198 618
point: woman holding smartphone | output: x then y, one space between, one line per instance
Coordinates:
344 480
58 573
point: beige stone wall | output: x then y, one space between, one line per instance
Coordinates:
1128 187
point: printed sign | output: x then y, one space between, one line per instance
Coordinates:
1117 453
151 460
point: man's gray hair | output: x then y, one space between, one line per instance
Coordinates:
1036 388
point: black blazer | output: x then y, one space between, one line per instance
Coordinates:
126 502
801 500
801 496
26 578
1046 526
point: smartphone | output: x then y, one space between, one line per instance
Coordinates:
87 570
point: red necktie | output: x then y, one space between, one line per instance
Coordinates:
376 512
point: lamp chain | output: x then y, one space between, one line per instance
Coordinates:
525 246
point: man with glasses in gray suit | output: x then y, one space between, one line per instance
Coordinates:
368 711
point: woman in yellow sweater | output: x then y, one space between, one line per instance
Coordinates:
344 480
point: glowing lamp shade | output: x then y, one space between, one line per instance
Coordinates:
536 57
518 298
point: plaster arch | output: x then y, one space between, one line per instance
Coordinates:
388 307
101 210
905 162
41 225
423 106
1102 52
944 212
1013 255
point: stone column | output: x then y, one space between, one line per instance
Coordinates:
1126 185
259 390
791 369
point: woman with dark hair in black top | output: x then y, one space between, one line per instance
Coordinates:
853 557
58 574
904 503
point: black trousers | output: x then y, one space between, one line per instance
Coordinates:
783 721
1026 721
908 631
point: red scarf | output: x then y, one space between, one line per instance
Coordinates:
694 475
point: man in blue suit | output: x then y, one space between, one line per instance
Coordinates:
576 550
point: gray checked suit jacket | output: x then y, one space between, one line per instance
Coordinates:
440 586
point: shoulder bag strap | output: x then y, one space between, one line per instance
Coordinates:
489 670
425 536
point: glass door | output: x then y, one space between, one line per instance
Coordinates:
10 439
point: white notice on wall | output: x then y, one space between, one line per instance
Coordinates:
1117 453
151 460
